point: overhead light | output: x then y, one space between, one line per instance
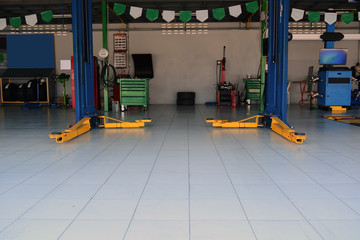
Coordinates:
62 16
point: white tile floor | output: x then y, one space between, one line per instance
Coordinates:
178 178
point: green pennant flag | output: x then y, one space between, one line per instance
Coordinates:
185 16
119 9
47 16
314 17
15 22
2 58
152 14
252 7
347 17
218 13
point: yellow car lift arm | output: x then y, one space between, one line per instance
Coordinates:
79 128
104 122
245 123
84 126
277 126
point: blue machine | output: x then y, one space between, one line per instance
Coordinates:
334 87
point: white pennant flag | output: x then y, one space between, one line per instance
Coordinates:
235 11
202 15
168 16
330 18
135 12
297 14
31 19
2 23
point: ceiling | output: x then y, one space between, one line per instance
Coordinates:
21 8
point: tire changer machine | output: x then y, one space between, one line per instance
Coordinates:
225 91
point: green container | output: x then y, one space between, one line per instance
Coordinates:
252 88
134 91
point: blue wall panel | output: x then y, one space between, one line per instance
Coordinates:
30 51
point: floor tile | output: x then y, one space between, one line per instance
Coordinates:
305 191
35 229
212 192
172 210
216 210
166 191
271 209
95 229
209 178
341 190
56 209
325 209
338 229
353 204
284 230
109 210
217 230
155 230
14 208
259 191
119 191
250 178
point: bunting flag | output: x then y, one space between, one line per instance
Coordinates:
297 14
31 19
152 14
2 23
185 16
168 16
330 18
252 7
119 9
47 16
235 11
15 22
314 17
135 12
218 13
202 15
347 17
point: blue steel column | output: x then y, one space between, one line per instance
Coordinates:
330 28
276 83
83 58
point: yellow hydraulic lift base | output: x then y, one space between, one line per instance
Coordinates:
277 126
344 119
84 126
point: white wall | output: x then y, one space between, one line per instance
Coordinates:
188 62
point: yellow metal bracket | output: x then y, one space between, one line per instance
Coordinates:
105 123
245 123
343 118
277 126
284 130
338 109
84 126
79 128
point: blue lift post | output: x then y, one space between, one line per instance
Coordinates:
274 115
276 82
83 58
86 114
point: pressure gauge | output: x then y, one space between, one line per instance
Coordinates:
103 53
